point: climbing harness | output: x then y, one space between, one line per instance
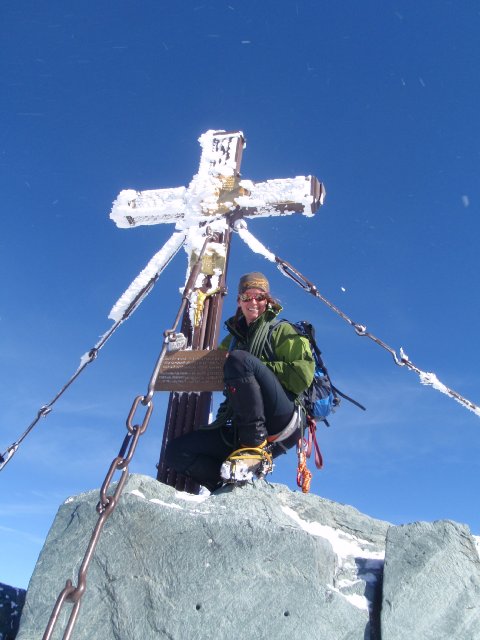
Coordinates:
290 429
401 360
92 354
120 463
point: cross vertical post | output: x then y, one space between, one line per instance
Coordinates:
188 410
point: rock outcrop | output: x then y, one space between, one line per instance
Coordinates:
431 582
258 562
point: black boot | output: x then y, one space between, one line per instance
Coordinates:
245 397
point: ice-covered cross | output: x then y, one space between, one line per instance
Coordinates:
217 190
215 197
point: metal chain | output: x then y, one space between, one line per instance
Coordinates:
120 463
402 361
91 355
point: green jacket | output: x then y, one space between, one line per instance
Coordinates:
291 357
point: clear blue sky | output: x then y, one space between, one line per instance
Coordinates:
379 100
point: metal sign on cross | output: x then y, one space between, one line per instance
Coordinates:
214 200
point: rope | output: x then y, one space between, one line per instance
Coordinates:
304 476
402 360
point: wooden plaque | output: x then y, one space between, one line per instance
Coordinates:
192 371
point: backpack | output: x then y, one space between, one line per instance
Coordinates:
321 398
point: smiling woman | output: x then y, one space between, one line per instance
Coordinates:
267 367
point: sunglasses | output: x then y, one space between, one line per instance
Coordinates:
259 297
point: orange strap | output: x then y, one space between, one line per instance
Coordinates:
304 476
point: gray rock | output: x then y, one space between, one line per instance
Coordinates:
258 562
11 605
431 584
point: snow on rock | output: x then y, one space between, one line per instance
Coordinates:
258 557
349 551
476 540
211 559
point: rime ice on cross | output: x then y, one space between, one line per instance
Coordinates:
214 193
217 190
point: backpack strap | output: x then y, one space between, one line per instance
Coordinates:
344 395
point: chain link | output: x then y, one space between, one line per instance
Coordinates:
120 463
402 361
361 330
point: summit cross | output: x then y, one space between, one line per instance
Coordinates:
216 198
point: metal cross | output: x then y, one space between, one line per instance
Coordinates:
216 197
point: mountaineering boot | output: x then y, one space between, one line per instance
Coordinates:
246 463
245 397
251 459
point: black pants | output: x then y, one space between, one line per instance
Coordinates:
261 407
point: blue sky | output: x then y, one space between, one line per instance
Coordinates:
379 100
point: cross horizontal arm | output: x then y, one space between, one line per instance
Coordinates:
218 190
155 206
303 194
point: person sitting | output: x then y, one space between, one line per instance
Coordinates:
268 366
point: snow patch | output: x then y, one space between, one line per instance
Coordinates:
348 549
190 497
170 505
136 492
358 601
476 540
344 544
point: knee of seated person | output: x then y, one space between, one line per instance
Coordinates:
235 364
